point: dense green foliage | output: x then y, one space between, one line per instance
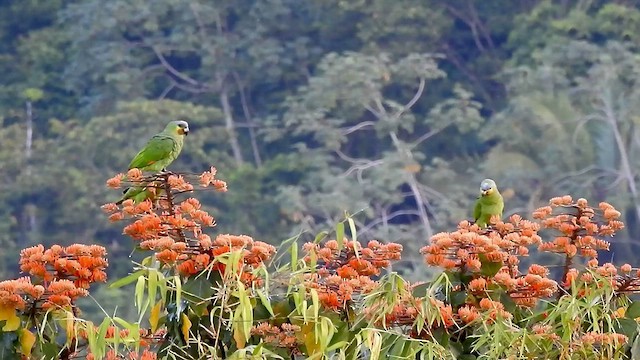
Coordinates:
390 110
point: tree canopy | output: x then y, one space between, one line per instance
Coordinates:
392 111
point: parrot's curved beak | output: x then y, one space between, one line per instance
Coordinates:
486 189
184 131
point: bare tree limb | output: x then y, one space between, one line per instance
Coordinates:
174 71
354 128
249 119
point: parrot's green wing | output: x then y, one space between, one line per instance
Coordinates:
156 154
477 210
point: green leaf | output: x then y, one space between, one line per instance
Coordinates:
140 292
340 235
178 284
265 301
294 256
458 298
153 285
321 236
352 228
420 290
633 311
126 280
628 327
197 289
489 268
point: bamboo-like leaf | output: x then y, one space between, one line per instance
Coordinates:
294 256
92 339
140 293
153 285
265 301
340 235
70 322
126 280
374 343
154 317
178 284
320 236
315 303
101 340
352 228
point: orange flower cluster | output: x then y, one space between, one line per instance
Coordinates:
624 279
280 336
22 294
62 293
580 226
343 272
353 260
502 244
462 249
83 264
525 290
593 338
153 222
208 178
15 294
165 227
135 177
198 257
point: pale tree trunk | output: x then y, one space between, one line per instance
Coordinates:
29 139
230 126
250 125
625 164
30 209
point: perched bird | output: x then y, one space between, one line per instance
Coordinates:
162 148
489 203
160 151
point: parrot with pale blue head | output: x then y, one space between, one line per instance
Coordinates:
158 153
488 204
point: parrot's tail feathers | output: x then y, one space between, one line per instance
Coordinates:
125 190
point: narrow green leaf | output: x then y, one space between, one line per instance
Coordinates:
315 302
126 280
294 256
265 301
178 284
321 236
489 268
153 285
352 228
340 235
140 292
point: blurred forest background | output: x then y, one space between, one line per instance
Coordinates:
394 110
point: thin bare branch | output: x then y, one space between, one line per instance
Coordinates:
354 128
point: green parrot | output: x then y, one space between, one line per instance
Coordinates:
160 151
489 203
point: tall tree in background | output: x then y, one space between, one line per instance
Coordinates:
354 123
